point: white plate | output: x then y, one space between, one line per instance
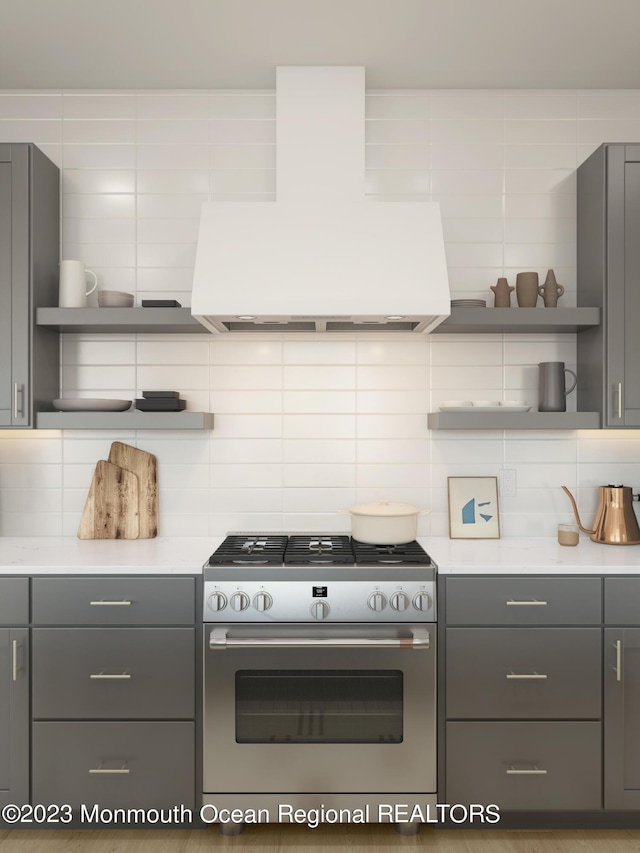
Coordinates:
91 404
484 408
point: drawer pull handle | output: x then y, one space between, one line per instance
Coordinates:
104 675
102 770
618 667
533 603
534 771
15 645
537 676
102 603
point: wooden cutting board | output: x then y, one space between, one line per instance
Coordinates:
145 466
111 508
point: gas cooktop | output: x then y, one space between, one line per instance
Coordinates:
273 577
275 549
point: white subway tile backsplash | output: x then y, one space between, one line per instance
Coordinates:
98 106
101 156
162 107
83 131
30 106
186 155
308 426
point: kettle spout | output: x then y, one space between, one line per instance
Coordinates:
575 511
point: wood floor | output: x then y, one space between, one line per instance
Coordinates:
341 839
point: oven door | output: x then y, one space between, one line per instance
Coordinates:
300 708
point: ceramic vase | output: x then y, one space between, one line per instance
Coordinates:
551 291
502 291
527 289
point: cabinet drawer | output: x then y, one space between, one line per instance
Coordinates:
14 601
523 601
113 601
622 601
523 673
157 760
150 673
481 758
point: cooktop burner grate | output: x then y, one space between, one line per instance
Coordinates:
319 548
250 550
409 553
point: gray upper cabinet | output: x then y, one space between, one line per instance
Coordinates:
609 278
29 257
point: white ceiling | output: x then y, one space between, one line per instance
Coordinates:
229 44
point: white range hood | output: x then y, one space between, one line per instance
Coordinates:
322 257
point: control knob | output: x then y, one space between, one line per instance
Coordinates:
262 601
239 601
217 601
377 601
320 609
422 601
400 601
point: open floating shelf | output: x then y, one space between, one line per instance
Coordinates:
513 420
518 320
124 420
120 320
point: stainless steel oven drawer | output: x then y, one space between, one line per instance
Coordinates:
14 601
114 601
525 766
524 601
143 673
117 765
523 673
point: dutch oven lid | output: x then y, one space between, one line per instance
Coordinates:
384 508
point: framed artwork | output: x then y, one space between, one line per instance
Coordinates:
473 508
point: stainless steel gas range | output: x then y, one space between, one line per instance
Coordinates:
320 674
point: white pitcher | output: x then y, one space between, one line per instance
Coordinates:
73 284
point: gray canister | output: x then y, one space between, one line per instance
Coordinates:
552 392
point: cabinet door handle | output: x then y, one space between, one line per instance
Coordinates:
533 603
619 398
18 411
534 771
116 677
15 645
618 667
102 603
111 771
532 675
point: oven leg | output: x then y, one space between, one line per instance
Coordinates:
231 828
409 828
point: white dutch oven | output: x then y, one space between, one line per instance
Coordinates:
385 523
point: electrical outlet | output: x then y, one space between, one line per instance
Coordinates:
508 487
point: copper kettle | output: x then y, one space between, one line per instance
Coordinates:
615 522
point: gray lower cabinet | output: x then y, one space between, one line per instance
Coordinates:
608 273
29 257
14 715
524 766
622 693
114 764
521 675
113 702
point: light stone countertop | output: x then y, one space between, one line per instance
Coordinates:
67 555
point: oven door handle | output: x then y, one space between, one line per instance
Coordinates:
218 639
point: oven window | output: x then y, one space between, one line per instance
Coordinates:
318 706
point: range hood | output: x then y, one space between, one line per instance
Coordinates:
322 257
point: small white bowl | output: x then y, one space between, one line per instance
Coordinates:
487 404
513 404
115 299
449 404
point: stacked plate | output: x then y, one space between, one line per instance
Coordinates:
468 303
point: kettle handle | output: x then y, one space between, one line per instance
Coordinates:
575 511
